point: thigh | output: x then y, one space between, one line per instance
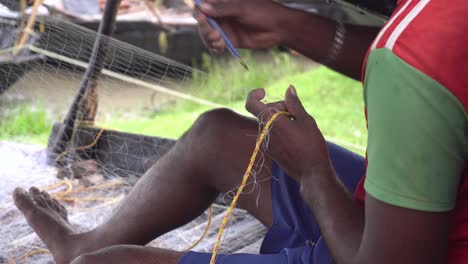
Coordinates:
129 254
225 141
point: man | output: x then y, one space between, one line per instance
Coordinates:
413 206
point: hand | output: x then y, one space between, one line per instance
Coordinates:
296 144
124 5
252 24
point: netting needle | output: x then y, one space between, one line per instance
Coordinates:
228 42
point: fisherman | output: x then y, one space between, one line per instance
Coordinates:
409 208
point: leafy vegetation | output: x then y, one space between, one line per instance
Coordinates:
25 123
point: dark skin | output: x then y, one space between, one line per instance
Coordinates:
376 233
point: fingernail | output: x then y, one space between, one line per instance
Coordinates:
206 6
293 90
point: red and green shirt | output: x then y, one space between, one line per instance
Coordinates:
416 97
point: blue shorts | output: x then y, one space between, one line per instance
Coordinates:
294 237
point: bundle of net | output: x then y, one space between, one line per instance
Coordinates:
41 67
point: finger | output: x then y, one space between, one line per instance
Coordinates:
212 42
254 104
205 29
197 14
219 45
293 104
125 4
223 9
213 36
216 51
279 106
216 1
272 109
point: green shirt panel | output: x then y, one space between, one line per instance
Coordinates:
418 141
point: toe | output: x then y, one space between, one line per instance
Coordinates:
50 202
45 195
54 205
63 211
59 208
37 197
34 192
23 200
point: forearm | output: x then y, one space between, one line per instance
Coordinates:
340 217
313 36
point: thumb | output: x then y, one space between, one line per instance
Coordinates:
293 104
219 10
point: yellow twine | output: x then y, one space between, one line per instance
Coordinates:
81 148
207 228
35 252
100 186
56 185
68 190
244 181
64 195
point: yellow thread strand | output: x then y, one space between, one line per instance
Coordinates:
100 186
53 186
35 252
244 182
207 228
81 148
67 191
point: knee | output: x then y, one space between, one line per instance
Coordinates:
214 123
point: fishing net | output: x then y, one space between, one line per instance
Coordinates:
41 69
90 204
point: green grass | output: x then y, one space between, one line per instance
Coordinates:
228 81
332 99
25 123
168 124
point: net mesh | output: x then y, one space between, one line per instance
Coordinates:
39 81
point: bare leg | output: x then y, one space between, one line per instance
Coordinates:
129 254
210 158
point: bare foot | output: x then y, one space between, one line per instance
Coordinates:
49 220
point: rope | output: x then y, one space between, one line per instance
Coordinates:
81 148
207 228
244 181
32 253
